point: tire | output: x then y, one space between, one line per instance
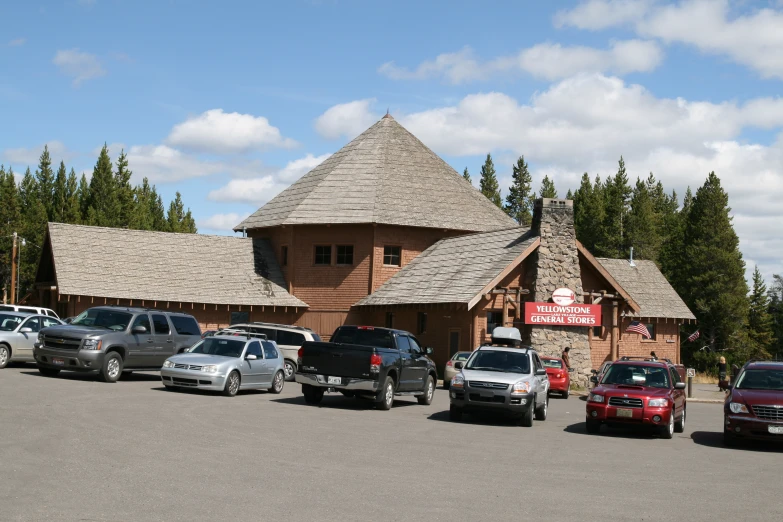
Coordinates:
48 372
593 427
567 393
667 432
290 369
5 356
527 419
455 413
542 410
233 381
312 394
387 395
446 384
429 392
679 426
111 369
278 382
170 387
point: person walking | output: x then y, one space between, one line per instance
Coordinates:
722 383
565 358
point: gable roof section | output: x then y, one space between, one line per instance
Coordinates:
594 262
648 287
456 270
161 266
384 176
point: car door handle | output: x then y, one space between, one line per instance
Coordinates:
169 341
150 341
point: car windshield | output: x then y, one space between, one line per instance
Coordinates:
552 363
108 319
8 323
223 347
461 356
631 375
761 380
499 361
365 336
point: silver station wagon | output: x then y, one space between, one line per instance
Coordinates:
226 363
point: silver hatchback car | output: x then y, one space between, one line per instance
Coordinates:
19 333
226 363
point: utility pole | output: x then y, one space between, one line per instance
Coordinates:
13 271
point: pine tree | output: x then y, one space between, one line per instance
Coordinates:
776 312
760 323
714 284
124 191
644 222
157 215
548 189
519 201
103 207
466 175
72 209
59 195
488 184
45 181
617 192
589 213
84 197
10 222
176 214
142 216
32 229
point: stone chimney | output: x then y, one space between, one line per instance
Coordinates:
556 265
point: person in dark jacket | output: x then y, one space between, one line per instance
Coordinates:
723 384
564 356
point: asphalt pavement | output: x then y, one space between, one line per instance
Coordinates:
72 448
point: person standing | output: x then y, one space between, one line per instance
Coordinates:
565 358
722 373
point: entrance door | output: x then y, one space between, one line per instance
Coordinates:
453 342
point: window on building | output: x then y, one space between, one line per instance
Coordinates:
284 255
323 255
598 332
344 254
239 317
389 320
651 329
422 323
392 256
494 319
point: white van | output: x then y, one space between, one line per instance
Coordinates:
28 309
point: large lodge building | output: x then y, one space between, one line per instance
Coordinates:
382 233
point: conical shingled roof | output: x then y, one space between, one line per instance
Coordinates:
384 176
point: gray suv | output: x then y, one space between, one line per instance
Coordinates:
113 339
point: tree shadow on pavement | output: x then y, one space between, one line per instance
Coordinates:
714 439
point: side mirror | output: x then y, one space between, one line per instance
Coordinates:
428 351
459 365
26 329
68 320
139 330
679 386
594 372
540 371
594 379
251 357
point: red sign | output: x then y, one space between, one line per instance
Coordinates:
558 315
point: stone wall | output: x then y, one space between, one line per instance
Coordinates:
556 265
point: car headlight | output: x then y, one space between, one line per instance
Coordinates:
594 397
40 337
658 403
521 387
168 364
458 381
91 344
210 368
738 407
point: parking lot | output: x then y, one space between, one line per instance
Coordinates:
72 448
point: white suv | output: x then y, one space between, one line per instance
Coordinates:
28 309
288 338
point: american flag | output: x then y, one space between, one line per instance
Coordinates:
639 328
694 336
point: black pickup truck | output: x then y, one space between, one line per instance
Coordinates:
367 362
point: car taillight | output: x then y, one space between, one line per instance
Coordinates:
365 328
375 363
450 363
299 355
559 375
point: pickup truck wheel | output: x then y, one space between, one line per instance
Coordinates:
232 384
541 411
312 394
387 397
527 418
278 382
111 370
667 432
455 414
429 392
593 427
290 369
48 372
679 426
5 356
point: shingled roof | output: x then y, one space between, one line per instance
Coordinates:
455 270
160 266
384 176
649 288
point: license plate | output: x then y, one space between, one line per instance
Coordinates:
58 362
777 430
624 413
333 380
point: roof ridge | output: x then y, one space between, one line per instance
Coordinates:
138 230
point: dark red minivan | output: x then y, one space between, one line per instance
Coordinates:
754 406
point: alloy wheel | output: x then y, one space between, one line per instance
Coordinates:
113 368
288 368
430 390
389 394
278 384
3 356
671 423
233 383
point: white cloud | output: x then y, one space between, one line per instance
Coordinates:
346 119
78 65
221 222
602 14
549 61
162 164
225 133
29 156
257 191
17 42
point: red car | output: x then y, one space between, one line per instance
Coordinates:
638 393
559 378
754 408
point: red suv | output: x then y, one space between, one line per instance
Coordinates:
638 393
754 407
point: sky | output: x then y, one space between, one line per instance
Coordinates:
229 102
